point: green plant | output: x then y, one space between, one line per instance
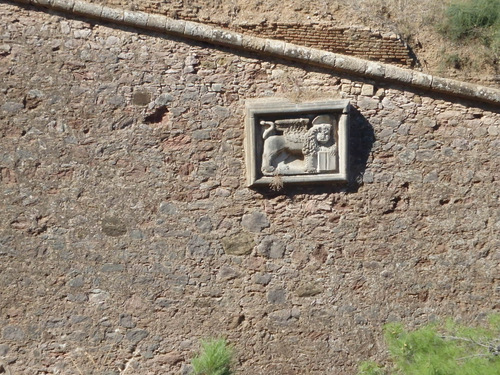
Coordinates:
370 368
472 19
447 349
215 358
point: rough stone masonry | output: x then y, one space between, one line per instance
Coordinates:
127 232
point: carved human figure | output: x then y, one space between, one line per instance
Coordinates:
297 142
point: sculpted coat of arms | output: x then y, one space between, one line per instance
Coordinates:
300 143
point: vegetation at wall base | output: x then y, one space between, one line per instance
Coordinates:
215 358
447 349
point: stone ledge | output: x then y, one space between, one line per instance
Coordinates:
277 48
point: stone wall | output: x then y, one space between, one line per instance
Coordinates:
127 232
350 40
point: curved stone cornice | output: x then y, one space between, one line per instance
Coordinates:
277 48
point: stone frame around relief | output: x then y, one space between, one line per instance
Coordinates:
275 131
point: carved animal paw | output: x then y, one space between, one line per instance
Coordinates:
269 169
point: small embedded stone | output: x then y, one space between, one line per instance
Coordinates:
367 90
12 107
276 296
126 321
164 99
255 221
282 317
137 335
13 333
227 273
366 103
113 227
272 247
262 278
141 98
204 224
308 290
169 359
200 247
5 49
167 208
239 244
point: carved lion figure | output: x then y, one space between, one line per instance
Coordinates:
296 140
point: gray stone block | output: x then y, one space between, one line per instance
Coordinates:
328 59
456 87
297 52
136 335
394 73
44 3
226 37
14 333
421 80
351 64
112 15
63 5
255 221
175 26
262 278
488 94
87 9
91 10
315 56
275 47
138 19
198 31
156 22
272 247
253 43
276 296
374 69
199 247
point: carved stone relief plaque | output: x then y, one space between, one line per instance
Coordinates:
297 143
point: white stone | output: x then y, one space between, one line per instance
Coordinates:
367 90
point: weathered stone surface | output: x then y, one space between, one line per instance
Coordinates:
277 296
255 221
14 333
368 103
228 273
113 226
126 321
199 247
271 247
136 335
238 244
308 290
262 278
367 90
410 238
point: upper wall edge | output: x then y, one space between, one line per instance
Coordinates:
270 47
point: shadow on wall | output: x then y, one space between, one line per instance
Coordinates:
361 139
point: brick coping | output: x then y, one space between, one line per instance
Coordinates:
276 48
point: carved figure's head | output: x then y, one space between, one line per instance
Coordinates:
324 133
324 125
